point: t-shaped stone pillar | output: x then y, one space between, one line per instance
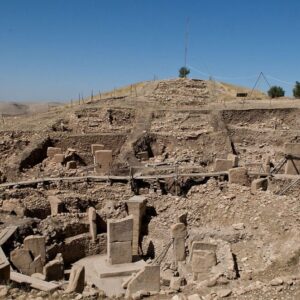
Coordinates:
136 207
92 222
178 233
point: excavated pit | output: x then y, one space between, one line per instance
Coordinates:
245 234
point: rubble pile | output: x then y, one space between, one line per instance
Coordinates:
186 92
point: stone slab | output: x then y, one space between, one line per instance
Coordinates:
34 282
223 165
51 151
54 270
120 230
6 233
103 161
148 279
76 280
96 147
292 149
36 244
203 260
120 252
22 260
4 267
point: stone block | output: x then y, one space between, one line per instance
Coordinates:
71 165
4 267
103 161
51 151
143 155
147 279
58 158
120 230
292 167
36 245
292 149
76 280
239 176
22 260
56 205
260 184
13 206
54 269
223 165
203 260
96 147
119 252
234 158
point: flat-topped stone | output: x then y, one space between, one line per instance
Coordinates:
137 199
107 277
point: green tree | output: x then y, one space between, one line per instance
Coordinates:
296 90
183 72
276 91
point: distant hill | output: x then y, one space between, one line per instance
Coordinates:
17 108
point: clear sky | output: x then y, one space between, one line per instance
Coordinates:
55 49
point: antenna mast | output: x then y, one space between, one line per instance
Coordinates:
186 41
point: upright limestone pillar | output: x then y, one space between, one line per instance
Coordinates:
92 223
178 233
136 207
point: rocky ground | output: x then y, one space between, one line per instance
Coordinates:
185 124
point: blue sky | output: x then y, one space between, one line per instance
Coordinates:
55 49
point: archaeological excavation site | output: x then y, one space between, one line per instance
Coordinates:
173 189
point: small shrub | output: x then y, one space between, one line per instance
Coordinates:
276 91
183 72
296 90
